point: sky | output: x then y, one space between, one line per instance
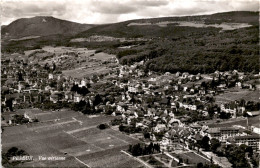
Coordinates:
111 11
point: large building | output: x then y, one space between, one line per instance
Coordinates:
250 140
223 133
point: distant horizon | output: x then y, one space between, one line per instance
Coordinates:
107 11
124 20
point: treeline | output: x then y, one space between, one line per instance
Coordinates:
199 52
129 57
129 129
33 44
141 149
203 63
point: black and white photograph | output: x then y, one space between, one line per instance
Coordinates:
130 83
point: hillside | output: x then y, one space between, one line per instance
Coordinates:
195 44
158 27
41 26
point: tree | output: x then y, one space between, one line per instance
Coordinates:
121 128
224 115
214 144
180 161
200 165
20 76
74 88
205 143
47 67
97 100
146 135
103 126
12 151
9 104
249 149
83 91
53 84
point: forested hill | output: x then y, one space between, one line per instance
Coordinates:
202 44
155 27
206 43
41 26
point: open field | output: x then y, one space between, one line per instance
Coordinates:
190 158
237 94
76 138
151 160
103 56
84 72
75 62
253 121
224 26
90 65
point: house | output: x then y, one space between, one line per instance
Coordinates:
21 86
121 107
50 76
151 112
165 101
253 113
239 85
69 96
77 98
159 128
82 83
185 75
202 92
29 115
56 96
177 74
27 98
205 113
35 97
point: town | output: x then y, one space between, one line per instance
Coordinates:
176 119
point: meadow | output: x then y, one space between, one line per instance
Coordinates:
237 94
75 137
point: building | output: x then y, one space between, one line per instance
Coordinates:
223 133
29 115
250 140
253 113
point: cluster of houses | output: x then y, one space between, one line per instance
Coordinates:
149 101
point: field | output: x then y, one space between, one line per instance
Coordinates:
153 160
75 62
191 158
75 137
224 26
90 64
253 121
83 71
237 94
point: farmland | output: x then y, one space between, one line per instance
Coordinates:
74 62
73 136
237 94
93 65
